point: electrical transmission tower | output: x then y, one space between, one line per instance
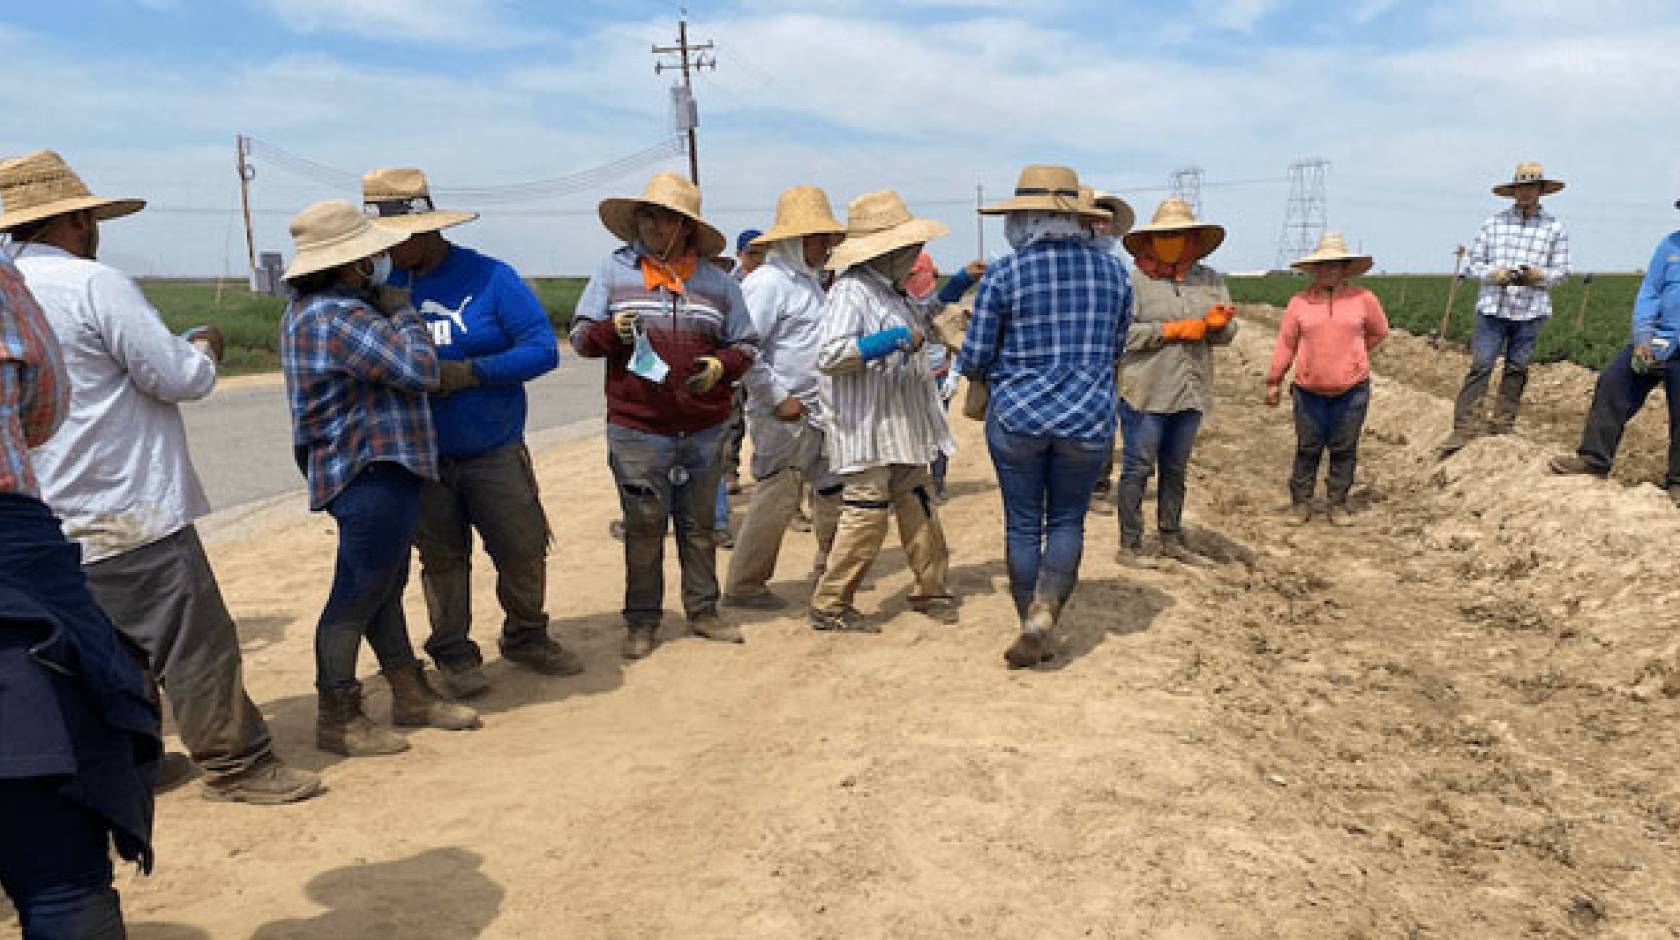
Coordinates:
690 57
1186 184
1305 217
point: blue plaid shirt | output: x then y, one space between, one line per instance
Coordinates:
1049 325
357 381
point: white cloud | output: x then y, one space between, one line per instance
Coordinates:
462 23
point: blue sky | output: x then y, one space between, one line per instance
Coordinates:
1420 107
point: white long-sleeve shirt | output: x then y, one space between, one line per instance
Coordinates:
117 473
1510 240
785 302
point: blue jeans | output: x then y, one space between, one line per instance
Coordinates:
54 864
377 515
1151 438
722 514
1046 484
1496 336
666 478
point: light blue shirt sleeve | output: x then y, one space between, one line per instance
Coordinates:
1648 305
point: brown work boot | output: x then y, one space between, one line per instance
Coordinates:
710 627
270 783
1173 546
1300 513
543 655
341 727
1133 555
464 680
940 607
1572 464
1674 494
1337 514
1032 646
415 704
639 643
1455 442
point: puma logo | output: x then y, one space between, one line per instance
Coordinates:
432 308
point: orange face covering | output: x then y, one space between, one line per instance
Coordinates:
1170 248
668 274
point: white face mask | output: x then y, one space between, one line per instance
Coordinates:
381 273
1104 243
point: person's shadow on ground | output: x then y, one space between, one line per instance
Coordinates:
440 893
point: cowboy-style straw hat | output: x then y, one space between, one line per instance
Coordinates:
667 191
1043 188
1120 209
1528 173
41 185
1333 247
877 223
400 199
332 233
1173 215
801 211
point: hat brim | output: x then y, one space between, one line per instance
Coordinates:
1547 187
1133 240
1059 204
1357 264
104 210
619 216
421 222
376 238
796 231
858 249
1124 216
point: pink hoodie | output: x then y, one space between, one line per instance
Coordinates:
1327 338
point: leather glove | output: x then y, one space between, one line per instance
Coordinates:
790 409
1529 276
624 324
1219 316
1184 331
710 370
455 375
388 300
1502 277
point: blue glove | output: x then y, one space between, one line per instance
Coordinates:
876 345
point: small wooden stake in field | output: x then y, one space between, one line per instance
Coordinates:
1452 294
1581 311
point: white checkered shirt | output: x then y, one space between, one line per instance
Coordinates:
1509 241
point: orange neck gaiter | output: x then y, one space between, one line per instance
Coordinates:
668 274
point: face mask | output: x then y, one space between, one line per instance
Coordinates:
645 362
1169 248
381 274
897 265
1104 243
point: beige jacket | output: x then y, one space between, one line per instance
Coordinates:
1166 377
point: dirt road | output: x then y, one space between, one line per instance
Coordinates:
1456 718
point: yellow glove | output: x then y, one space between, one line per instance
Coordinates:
454 375
710 370
1219 316
624 323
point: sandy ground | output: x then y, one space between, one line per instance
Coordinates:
1455 718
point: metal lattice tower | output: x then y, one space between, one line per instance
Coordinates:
1186 184
1306 216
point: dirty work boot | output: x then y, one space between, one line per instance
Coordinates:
710 627
1571 464
847 620
940 607
1455 442
1674 494
1337 513
1173 546
640 641
763 600
1033 645
463 680
1300 513
341 727
1132 555
174 769
270 783
542 655
414 704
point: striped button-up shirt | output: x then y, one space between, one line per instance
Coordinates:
1049 324
1508 240
357 381
886 411
34 391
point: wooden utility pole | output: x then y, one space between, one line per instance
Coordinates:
1581 311
690 58
246 174
1452 294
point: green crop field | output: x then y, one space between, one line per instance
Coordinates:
1414 304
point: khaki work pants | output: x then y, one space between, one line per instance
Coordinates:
868 499
774 502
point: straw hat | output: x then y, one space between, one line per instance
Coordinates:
667 191
1333 247
1124 217
400 199
1042 188
801 211
41 185
331 233
1173 215
1528 173
877 223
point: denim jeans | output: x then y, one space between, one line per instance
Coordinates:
377 514
1046 484
1619 395
1151 438
1333 423
664 479
55 864
1496 336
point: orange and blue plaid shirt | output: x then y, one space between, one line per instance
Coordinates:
356 381
34 391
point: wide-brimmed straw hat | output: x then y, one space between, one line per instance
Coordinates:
332 233
1044 188
41 185
801 211
877 223
667 191
1333 247
1174 215
1528 173
400 199
1121 211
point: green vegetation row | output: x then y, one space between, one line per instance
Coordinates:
1414 303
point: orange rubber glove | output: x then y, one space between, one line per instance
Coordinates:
1184 331
1219 316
